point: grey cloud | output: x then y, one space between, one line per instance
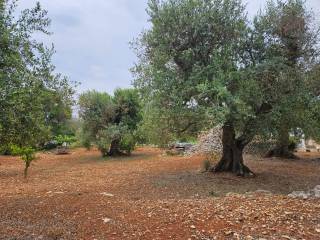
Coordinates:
91 38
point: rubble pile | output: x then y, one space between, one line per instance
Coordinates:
314 193
208 142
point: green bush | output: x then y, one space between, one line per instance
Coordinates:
85 142
83 139
61 139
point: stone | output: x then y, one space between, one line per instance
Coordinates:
286 237
107 194
316 191
106 220
300 194
62 150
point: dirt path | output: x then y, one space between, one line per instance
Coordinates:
152 196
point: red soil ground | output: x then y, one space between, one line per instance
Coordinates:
153 196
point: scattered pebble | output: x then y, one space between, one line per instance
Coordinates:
107 194
106 220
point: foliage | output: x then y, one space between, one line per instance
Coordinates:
204 55
128 143
83 139
107 136
58 111
61 139
293 143
161 126
289 34
110 122
32 95
27 155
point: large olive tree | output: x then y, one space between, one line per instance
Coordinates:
204 54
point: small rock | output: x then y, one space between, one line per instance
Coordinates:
316 191
193 227
107 194
300 194
106 220
286 237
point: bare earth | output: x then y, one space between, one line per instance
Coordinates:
152 196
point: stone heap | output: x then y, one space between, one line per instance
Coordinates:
314 193
259 146
211 142
208 142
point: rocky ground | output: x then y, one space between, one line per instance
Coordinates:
152 196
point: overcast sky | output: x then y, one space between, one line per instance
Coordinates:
91 38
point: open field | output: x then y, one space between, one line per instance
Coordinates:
153 196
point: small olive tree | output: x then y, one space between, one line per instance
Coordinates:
110 122
27 154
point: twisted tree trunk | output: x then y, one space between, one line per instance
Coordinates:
115 148
232 158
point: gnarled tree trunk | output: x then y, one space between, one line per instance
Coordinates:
232 158
114 148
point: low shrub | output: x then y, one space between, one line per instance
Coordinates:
27 154
65 139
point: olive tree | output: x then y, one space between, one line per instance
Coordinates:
205 54
290 33
110 122
28 84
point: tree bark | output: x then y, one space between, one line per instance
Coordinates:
232 158
114 148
